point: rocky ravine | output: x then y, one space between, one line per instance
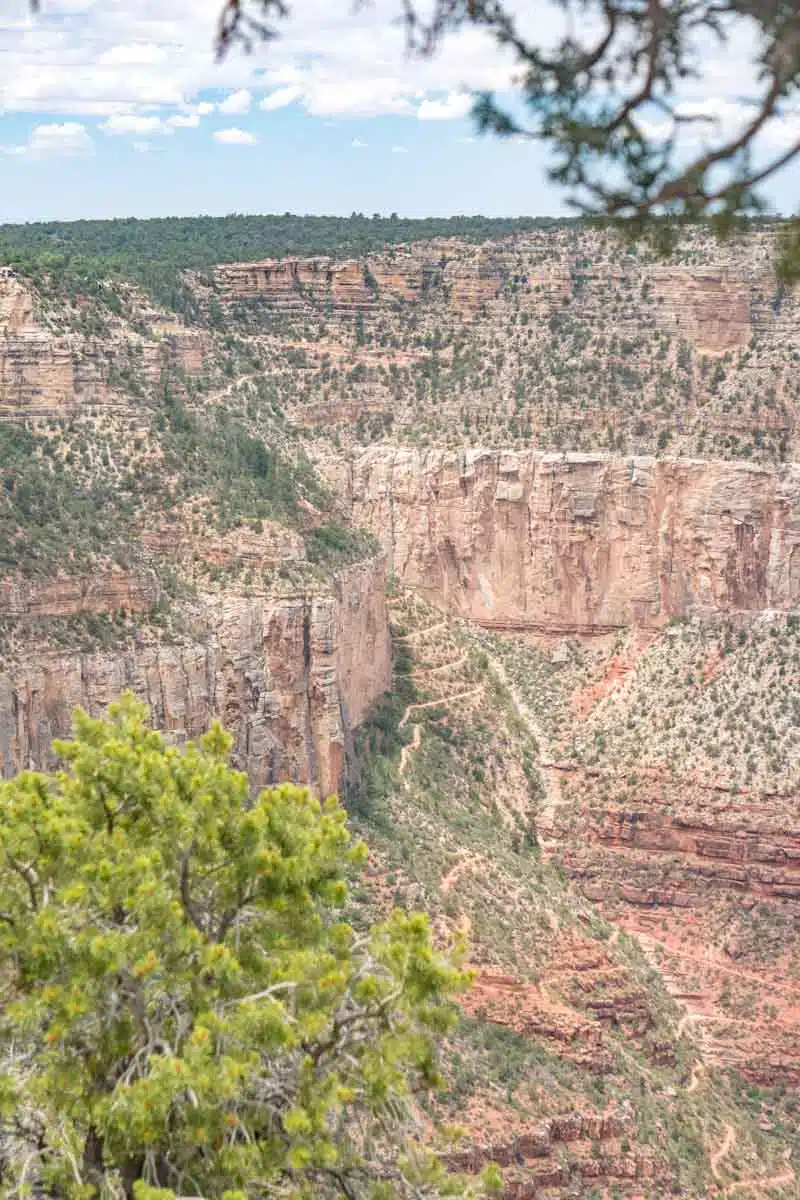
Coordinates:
582 543
291 678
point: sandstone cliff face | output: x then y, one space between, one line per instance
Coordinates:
64 597
561 338
714 295
582 542
48 368
290 679
352 284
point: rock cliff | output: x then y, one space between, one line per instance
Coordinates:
582 543
561 338
52 363
290 678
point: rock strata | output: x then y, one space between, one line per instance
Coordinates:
290 678
574 543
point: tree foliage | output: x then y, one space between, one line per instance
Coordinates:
185 1011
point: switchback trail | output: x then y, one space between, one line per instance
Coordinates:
722 1151
435 703
455 872
415 633
552 799
416 739
763 1183
412 747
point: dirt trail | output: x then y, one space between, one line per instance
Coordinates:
709 963
412 747
760 1182
687 1019
230 388
446 666
722 1151
435 703
455 872
698 1069
763 1183
416 737
415 633
552 799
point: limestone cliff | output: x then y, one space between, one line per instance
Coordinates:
51 364
290 678
582 543
564 338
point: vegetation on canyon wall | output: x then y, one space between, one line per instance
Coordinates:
74 493
601 801
571 1068
184 1008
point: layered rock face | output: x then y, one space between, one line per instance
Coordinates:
289 678
715 299
49 368
564 338
353 284
583 543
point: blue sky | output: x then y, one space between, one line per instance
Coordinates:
117 107
298 163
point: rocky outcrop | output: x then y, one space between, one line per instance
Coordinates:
71 594
582 543
36 367
49 368
536 1157
710 308
744 850
290 678
714 295
271 545
352 284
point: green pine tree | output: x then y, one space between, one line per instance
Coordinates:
184 1010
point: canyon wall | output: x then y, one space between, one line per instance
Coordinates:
50 367
290 679
715 295
582 543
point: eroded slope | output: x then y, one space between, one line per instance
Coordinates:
575 1070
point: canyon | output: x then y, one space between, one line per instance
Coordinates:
578 465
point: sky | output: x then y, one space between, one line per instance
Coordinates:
119 108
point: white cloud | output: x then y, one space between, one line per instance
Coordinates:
325 94
399 150
281 97
135 125
137 54
46 141
455 105
146 67
184 120
145 57
357 144
235 137
237 102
